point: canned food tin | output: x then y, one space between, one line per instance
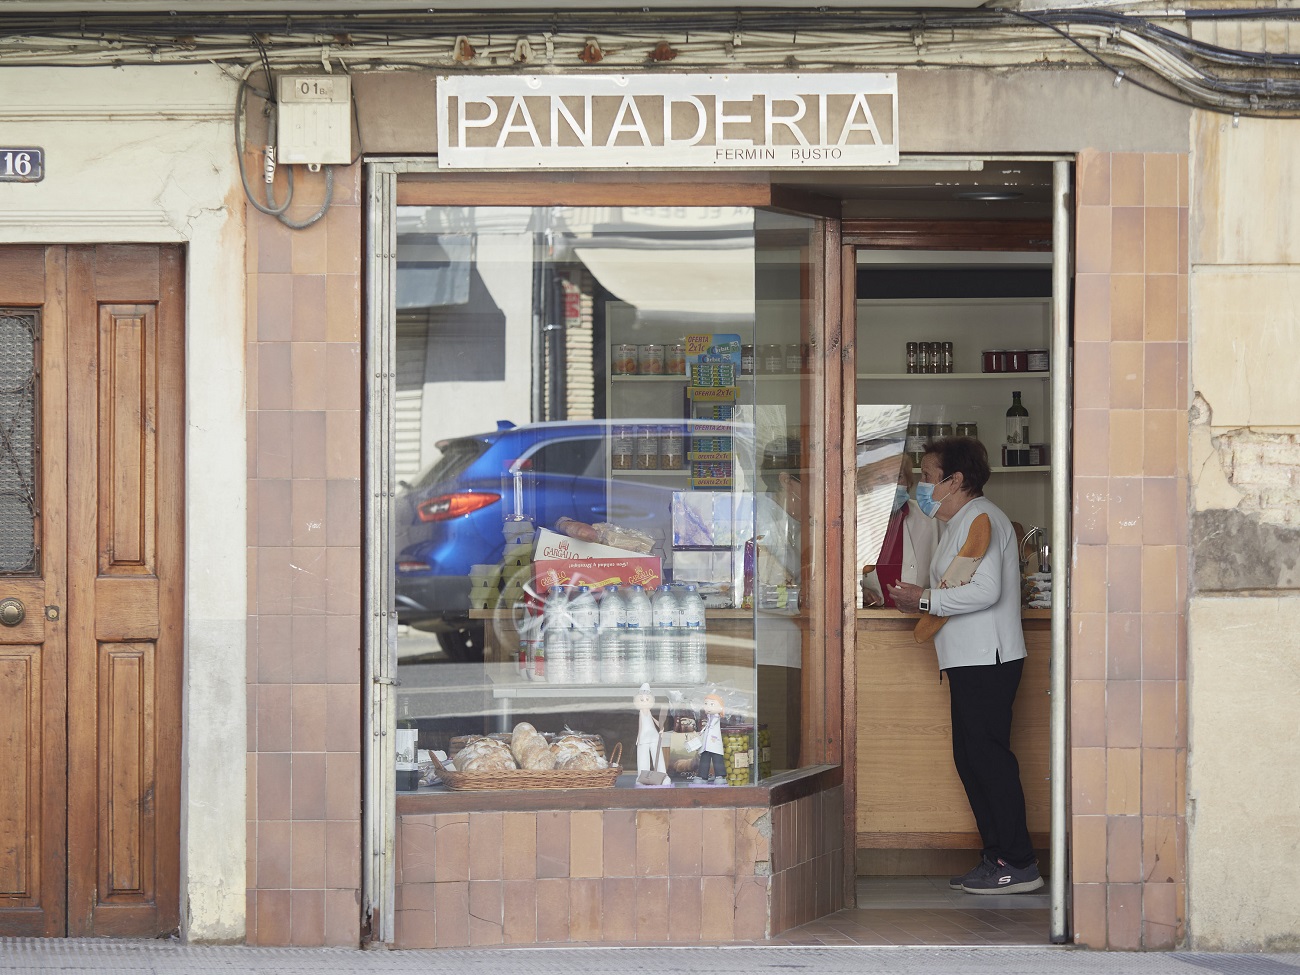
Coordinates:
1037 360
675 359
647 449
650 360
747 360
771 359
622 359
671 449
1016 360
622 449
991 360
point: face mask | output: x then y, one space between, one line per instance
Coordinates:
925 498
900 496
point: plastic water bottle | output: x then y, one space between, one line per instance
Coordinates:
582 637
609 642
557 664
636 636
666 645
695 653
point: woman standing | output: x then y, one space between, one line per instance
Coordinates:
981 647
908 548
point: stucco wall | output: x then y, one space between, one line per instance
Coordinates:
146 155
1244 615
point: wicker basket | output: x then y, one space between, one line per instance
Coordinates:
530 779
460 741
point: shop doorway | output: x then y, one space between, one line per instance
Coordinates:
91 543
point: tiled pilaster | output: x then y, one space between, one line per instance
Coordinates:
1128 594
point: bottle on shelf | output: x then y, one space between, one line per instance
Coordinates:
609 641
1016 451
636 635
582 638
555 664
695 651
667 615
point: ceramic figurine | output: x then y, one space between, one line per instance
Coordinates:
713 766
649 752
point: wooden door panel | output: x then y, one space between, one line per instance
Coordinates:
20 806
127 786
128 438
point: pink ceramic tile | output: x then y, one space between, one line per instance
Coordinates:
1124 916
419 842
273 718
1123 781
308 785
1161 862
274 853
274 307
308 319
717 910
307 249
1088 646
413 918
719 842
485 845
343 714
343 308
343 375
586 843
307 918
1161 919
652 842
343 918
273 784
308 443
585 909
342 444
1123 713
1093 240
274 595
343 855
274 372
1127 179
310 384
273 916
1162 240
305 650
274 443
1091 454
618 908
1124 511
651 909
1124 849
1089 915
751 919
1088 781
451 914
343 785
685 850
1127 361
552 843
1088 849
553 909
619 857
1123 646
307 706
486 912
1088 713
1127 240
1127 300
1124 578
520 911
1092 178
452 850
308 583
1161 307
1160 780
307 858
519 850
1161 179
343 513
685 908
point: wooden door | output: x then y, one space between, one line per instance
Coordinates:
91 536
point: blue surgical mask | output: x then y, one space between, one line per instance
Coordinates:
925 498
900 496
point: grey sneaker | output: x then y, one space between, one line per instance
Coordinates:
1005 879
979 870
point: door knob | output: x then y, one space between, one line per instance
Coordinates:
12 611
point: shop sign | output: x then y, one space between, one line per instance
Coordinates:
739 121
25 165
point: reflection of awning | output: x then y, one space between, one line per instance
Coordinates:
677 283
433 270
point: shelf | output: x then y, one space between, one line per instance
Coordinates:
679 472
951 376
668 377
1037 469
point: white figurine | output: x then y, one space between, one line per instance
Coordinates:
649 752
713 765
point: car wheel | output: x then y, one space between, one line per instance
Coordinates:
463 646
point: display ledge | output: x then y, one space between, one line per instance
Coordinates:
713 614
958 376
778 790
1026 613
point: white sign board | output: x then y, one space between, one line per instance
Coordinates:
663 121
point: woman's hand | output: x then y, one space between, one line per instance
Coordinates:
872 598
906 596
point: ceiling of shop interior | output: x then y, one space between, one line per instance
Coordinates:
365 6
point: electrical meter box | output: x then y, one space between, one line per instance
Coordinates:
314 119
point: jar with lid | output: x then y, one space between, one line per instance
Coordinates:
650 360
923 357
1016 360
622 359
940 430
967 429
675 359
1036 360
794 358
747 360
947 357
911 356
621 449
771 359
671 448
917 436
647 449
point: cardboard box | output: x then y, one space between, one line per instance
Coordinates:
563 561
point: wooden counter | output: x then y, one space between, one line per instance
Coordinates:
910 804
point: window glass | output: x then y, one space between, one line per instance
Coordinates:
596 397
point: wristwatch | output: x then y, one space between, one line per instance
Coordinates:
923 604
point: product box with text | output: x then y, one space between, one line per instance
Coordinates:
562 561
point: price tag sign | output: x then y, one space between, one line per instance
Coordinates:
21 165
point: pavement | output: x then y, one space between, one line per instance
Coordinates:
174 958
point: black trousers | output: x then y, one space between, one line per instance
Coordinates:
981 749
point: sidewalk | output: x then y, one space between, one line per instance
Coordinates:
171 958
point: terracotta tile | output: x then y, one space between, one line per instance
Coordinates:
274 854
685 850
308 512
1123 713
1088 646
343 855
585 909
274 307
1180 729
618 908
1124 916
307 855
309 386
1123 781
343 376
1161 432
1123 646
343 714
1159 635
1091 310
520 908
1092 374
1127 240
274 372
753 843
1093 240
553 909
486 841
1184 241
619 842
1124 849
343 580
308 785
1088 580
1088 713
273 718
519 846
343 513
308 590
1161 179
1088 849
552 844
343 650
343 308
274 595
1127 302
1181 446
1091 442
451 914
273 785
1126 375
717 911
307 249
308 320
586 843
1092 178
307 918
751 898
1088 781
1127 450
419 842
343 785
308 443
685 907
413 917
308 707
343 245
1161 921
1162 240
1161 862
270 925
250 850
1089 917
1160 778
1161 307
343 918
719 842
651 909
1124 514
274 444
305 657
1160 512
1124 579
342 444
652 843
451 853
1127 179
1160 571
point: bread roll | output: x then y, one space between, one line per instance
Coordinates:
484 754
536 755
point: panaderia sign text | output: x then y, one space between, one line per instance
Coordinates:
741 121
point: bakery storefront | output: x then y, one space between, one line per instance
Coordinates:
653 358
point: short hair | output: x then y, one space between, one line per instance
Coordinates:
965 456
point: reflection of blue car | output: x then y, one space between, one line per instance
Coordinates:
450 517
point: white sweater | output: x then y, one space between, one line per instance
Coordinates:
984 615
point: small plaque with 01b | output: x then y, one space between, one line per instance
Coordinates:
21 165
